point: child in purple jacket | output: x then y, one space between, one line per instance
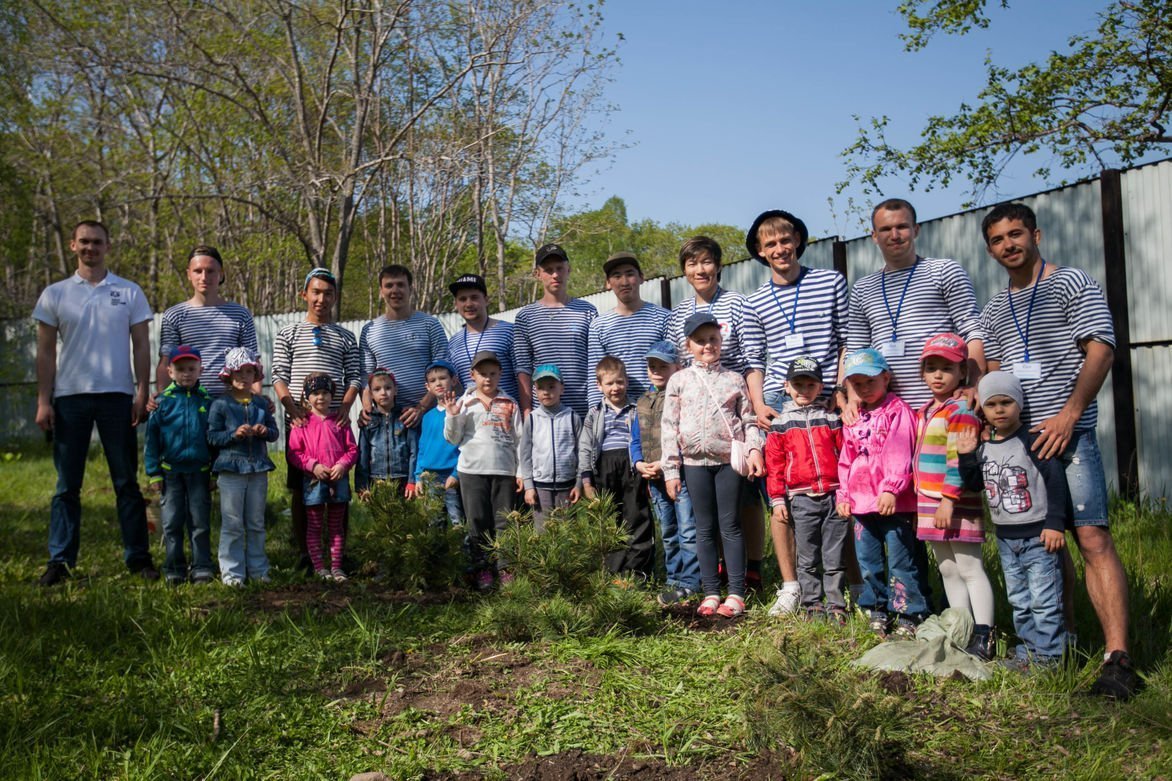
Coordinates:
875 487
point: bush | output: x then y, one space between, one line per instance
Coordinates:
409 541
561 586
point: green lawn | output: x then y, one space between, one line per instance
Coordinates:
110 677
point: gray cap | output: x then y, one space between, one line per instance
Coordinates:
1000 384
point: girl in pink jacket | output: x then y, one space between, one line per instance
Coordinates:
875 487
326 454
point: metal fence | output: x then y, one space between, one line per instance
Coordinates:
1117 227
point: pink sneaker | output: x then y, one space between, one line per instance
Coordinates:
484 580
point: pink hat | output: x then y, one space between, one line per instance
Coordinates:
949 346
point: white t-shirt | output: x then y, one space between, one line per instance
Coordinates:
93 324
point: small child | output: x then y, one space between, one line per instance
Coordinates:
549 447
875 486
178 463
240 425
604 460
486 426
950 518
1027 502
436 456
801 474
677 526
706 408
387 450
325 452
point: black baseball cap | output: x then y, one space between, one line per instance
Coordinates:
469 282
547 251
804 366
698 319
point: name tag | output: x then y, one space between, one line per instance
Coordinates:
893 349
795 341
1027 370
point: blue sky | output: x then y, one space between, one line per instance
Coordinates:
734 107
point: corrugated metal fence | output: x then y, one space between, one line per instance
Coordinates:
1073 222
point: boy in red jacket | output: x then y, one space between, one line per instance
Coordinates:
801 463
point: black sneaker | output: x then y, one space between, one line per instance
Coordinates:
1118 679
982 645
674 596
55 573
148 573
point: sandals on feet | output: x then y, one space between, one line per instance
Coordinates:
708 606
733 606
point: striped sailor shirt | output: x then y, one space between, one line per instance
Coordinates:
626 337
557 335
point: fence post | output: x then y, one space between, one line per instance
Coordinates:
665 293
1122 382
838 251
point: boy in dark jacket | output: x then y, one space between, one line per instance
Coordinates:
676 523
178 463
801 467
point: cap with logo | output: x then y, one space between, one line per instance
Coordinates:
805 366
868 362
468 282
184 353
550 251
547 370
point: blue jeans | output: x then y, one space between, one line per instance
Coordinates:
1085 479
75 419
453 505
186 510
242 532
1033 579
677 526
885 545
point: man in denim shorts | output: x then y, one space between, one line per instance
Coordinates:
1052 329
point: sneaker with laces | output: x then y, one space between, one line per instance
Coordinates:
55 573
324 574
733 606
786 603
338 575
877 622
1118 679
232 582
905 628
674 596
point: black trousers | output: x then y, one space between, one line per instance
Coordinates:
488 500
615 475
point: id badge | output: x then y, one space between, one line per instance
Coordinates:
1027 370
795 341
893 349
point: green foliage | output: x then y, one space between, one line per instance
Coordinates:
1106 98
409 541
561 586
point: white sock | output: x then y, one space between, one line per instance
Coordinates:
791 585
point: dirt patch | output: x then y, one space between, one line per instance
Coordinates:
332 598
580 766
685 615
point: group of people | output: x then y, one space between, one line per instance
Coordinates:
854 414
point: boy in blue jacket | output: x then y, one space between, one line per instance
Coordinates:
178 463
387 449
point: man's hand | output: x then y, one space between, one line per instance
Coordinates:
138 413
886 503
298 415
363 417
765 417
943 518
411 416
342 418
1053 540
152 404
45 416
673 489
969 394
850 412
1055 436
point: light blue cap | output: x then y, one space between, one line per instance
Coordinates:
868 362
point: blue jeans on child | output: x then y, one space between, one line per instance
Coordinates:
677 526
242 533
885 545
1033 580
186 512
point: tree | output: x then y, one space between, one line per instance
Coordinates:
1107 98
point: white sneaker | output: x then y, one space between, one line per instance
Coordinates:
786 603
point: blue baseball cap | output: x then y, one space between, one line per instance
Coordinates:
440 364
184 353
698 319
664 351
868 362
547 370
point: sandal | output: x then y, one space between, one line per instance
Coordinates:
733 606
708 606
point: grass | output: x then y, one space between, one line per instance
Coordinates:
109 677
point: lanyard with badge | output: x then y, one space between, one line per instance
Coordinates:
708 308
471 353
794 340
895 348
1027 369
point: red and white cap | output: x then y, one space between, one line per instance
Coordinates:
948 346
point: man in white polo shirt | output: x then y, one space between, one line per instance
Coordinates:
98 317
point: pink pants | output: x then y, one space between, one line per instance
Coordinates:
314 516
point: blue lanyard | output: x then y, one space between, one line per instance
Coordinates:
792 320
1025 335
478 341
899 306
715 298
